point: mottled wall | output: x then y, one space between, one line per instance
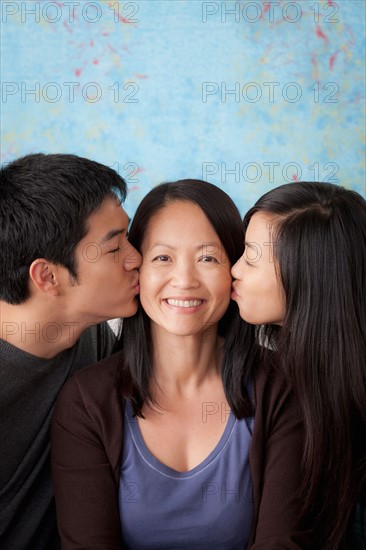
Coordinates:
244 94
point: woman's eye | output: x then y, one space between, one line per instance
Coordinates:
209 259
161 258
115 250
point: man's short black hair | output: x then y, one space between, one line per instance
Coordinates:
45 202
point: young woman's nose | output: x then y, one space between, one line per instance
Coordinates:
235 270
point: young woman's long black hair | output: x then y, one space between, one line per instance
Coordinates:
136 369
319 235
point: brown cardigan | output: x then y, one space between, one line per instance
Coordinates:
87 437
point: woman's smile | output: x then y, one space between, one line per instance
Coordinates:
185 276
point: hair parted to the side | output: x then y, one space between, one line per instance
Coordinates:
319 237
45 202
136 369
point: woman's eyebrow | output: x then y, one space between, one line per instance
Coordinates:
201 246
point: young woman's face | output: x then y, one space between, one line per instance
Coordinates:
256 288
185 279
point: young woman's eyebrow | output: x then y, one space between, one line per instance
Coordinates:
250 245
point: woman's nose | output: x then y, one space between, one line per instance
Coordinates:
184 276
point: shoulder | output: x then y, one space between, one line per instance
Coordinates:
274 397
270 383
96 383
103 371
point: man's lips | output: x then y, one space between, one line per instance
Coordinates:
136 286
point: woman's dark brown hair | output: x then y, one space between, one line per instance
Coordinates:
319 231
136 370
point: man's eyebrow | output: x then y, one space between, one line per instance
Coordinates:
111 234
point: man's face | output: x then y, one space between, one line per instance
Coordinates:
107 269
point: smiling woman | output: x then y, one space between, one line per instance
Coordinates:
184 446
185 277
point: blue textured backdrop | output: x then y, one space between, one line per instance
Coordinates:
247 95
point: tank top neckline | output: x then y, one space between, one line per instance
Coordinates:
165 470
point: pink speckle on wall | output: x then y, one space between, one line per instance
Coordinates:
320 33
332 60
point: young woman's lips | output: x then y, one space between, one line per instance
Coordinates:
233 293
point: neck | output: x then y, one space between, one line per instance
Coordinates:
183 363
39 329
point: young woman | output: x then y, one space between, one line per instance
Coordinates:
303 278
167 444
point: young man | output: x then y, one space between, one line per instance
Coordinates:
65 268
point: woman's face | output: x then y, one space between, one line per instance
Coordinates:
185 278
256 288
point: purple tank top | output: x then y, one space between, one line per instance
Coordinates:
210 506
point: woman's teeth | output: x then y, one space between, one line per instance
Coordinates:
184 303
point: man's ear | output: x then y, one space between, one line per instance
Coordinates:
44 275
